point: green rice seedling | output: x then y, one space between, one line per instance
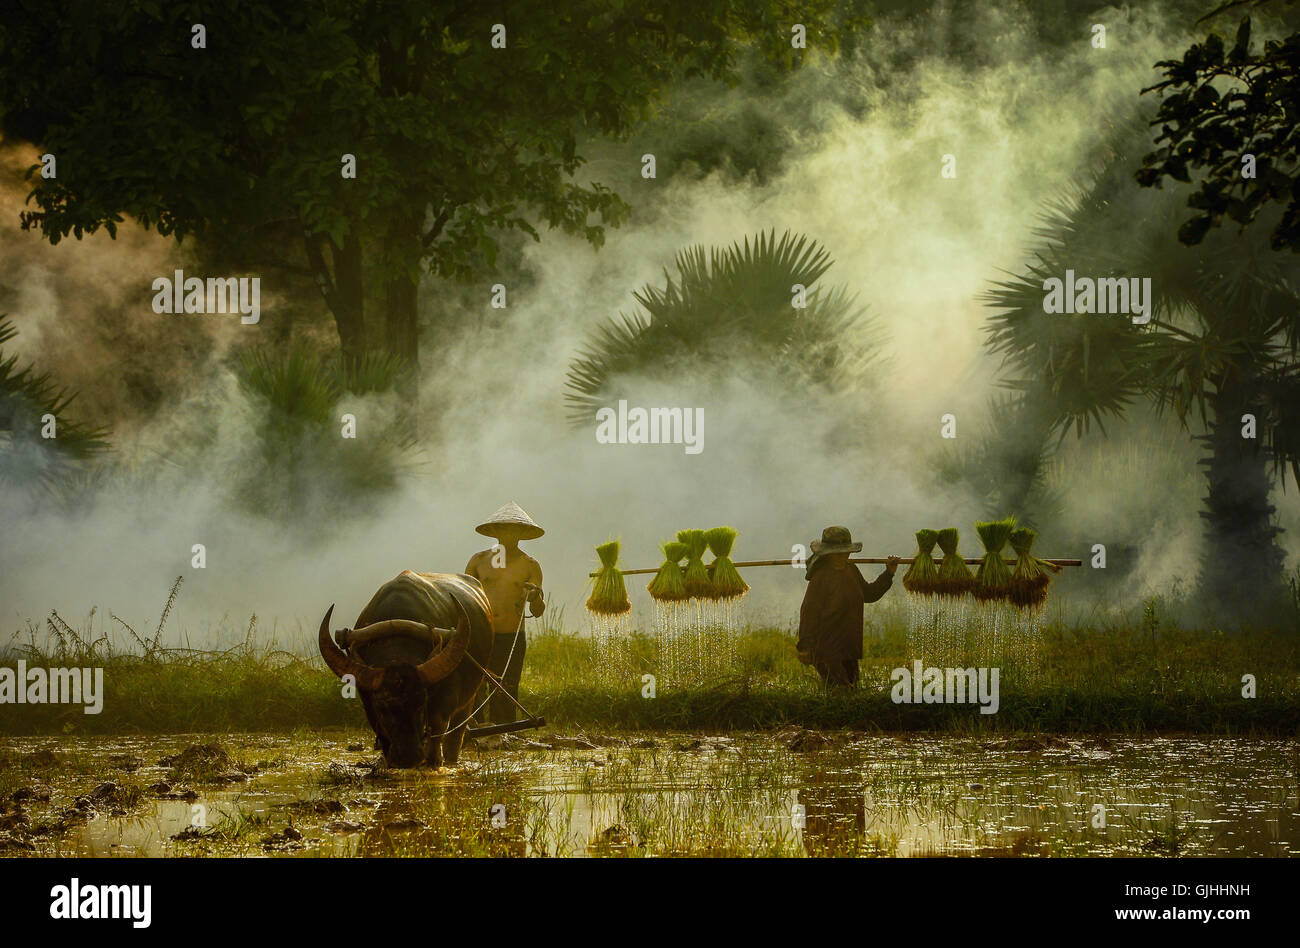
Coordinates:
993 578
728 589
696 576
955 577
609 608
691 647
727 583
668 590
1030 576
952 589
1027 591
923 606
668 584
923 573
996 637
608 592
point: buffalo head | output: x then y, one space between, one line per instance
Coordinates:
396 693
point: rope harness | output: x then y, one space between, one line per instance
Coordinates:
493 680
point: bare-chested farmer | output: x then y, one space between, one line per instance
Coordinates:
510 577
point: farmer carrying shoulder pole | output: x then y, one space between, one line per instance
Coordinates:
830 619
510 577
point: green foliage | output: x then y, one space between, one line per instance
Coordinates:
1222 341
56 466
296 401
727 308
456 142
1219 104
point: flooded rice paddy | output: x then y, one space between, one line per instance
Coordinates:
793 792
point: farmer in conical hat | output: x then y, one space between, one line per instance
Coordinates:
510 577
830 620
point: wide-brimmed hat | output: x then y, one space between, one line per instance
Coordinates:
512 515
835 540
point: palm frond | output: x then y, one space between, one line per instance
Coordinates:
720 307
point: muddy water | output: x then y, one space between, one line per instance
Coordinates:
788 793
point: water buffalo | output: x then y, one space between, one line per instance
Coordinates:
410 666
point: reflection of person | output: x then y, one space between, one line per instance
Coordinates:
509 577
830 620
835 819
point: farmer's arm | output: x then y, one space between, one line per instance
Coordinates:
872 591
533 586
471 568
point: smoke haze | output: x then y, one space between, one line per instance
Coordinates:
779 462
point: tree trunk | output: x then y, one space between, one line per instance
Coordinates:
404 252
403 339
342 291
349 313
1242 576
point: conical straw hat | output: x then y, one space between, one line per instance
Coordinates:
512 515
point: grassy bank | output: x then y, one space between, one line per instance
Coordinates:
1108 678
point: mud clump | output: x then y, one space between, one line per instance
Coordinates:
314 807
41 759
14 841
204 762
165 791
801 740
33 794
344 826
286 840
1029 745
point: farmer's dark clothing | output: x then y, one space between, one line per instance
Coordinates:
830 620
501 709
843 672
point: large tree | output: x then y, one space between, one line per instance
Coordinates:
1222 343
456 141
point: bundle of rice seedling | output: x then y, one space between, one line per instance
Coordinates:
609 609
608 591
725 578
668 590
696 576
1027 592
993 578
668 584
1030 576
955 578
923 606
922 575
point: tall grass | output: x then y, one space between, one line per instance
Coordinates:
1125 676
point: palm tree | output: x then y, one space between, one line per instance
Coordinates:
56 466
725 310
1221 344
